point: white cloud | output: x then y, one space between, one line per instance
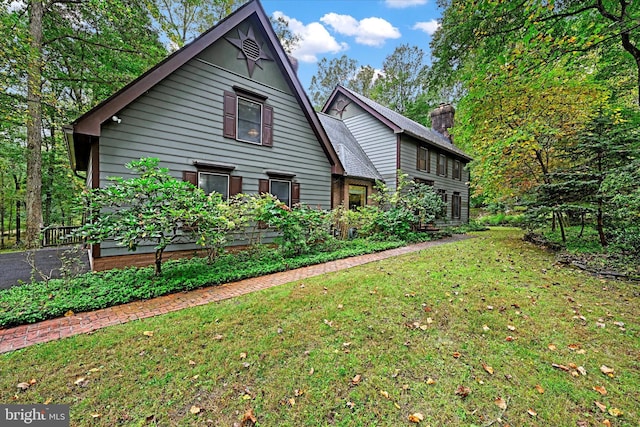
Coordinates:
428 27
15 5
369 31
314 39
401 4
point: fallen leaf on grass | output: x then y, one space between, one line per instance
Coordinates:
463 391
532 412
69 313
328 323
416 418
511 328
192 363
552 347
562 367
384 393
355 380
457 354
311 371
249 418
487 368
606 423
243 356
501 403
351 405
23 386
218 337
48 401
81 382
298 392
485 328
582 370
431 381
195 409
600 389
615 412
96 415
509 338
573 346
607 371
148 333
291 401
600 406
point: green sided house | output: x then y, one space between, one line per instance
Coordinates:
226 112
392 142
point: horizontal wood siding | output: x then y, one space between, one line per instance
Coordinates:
180 120
377 141
408 158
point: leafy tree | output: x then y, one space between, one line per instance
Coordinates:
288 39
402 78
61 59
152 208
364 80
338 71
402 211
183 20
544 30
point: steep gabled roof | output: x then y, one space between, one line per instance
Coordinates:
356 163
88 126
397 122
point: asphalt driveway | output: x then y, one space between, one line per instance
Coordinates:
15 267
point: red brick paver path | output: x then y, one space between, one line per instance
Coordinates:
49 330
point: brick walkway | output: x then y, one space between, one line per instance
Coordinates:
49 330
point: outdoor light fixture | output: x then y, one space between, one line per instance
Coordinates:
116 119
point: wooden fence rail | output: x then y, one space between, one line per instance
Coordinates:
57 236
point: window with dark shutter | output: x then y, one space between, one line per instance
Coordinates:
229 120
235 185
247 118
267 126
191 177
295 194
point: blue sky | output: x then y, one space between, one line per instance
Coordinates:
365 30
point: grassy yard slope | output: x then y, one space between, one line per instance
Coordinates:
366 346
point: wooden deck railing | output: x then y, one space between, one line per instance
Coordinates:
57 236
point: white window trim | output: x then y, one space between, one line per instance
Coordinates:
238 138
218 174
280 180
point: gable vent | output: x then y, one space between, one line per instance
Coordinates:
251 49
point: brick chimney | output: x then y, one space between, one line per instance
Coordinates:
442 119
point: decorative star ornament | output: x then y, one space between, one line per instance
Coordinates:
249 49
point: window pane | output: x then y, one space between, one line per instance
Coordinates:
249 121
357 196
210 182
422 159
281 189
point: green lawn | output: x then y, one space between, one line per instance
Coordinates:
366 346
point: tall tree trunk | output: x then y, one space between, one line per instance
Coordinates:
18 225
48 184
34 126
600 225
1 210
561 225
